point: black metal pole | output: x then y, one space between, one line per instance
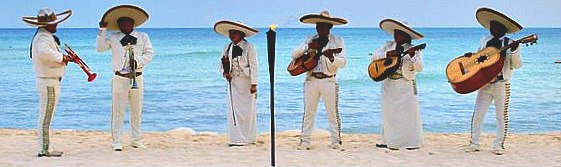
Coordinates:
271 40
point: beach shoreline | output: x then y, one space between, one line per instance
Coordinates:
184 147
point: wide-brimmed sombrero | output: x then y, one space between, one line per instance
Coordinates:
136 13
486 15
223 28
390 25
322 17
45 17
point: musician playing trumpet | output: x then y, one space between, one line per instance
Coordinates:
321 81
498 90
131 52
401 122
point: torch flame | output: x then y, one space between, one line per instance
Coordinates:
273 27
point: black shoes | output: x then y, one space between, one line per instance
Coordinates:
51 154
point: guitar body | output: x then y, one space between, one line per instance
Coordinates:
380 69
303 63
467 74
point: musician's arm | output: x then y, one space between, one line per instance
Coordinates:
220 68
102 41
147 52
47 51
339 59
515 58
300 49
416 60
381 52
253 64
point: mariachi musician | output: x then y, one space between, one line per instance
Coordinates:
498 90
132 51
401 122
321 81
49 64
240 69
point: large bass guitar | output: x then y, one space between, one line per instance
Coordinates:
467 74
380 69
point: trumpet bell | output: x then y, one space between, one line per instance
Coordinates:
91 77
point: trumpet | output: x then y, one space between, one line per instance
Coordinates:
76 59
132 65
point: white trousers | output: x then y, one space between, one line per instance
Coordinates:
498 92
49 94
328 90
122 93
242 121
401 126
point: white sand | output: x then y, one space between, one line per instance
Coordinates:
182 147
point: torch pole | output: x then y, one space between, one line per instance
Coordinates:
271 40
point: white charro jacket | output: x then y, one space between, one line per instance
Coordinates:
46 55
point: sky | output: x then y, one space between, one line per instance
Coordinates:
285 13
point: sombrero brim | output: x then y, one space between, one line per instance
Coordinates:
316 18
33 21
390 25
136 13
485 16
223 28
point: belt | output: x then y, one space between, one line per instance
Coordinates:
57 78
127 75
320 75
499 78
395 76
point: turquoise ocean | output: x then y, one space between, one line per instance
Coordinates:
183 87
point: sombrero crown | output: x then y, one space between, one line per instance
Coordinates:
322 17
390 25
223 28
485 15
136 13
45 17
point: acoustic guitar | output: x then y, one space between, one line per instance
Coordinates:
380 69
467 74
306 62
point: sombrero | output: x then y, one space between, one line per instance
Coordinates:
45 17
486 15
223 28
136 13
390 25
322 17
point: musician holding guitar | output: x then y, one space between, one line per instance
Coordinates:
401 126
321 80
131 52
498 89
49 64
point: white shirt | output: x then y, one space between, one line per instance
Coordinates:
143 50
409 66
513 59
325 66
46 55
244 65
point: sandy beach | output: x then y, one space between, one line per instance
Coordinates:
184 147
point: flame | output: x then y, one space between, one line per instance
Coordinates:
273 27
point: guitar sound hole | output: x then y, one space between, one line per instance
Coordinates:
482 59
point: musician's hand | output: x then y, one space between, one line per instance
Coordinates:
228 77
329 53
515 45
314 45
66 59
393 53
411 53
468 54
253 88
102 24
